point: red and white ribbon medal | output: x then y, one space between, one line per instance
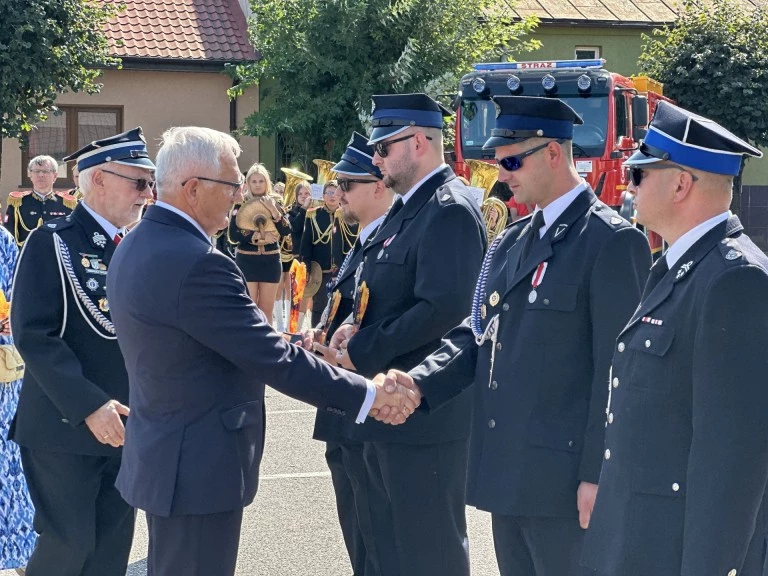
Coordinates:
538 276
387 242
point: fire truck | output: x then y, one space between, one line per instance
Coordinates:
615 110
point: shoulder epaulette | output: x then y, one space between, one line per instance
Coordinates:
312 212
609 216
57 224
68 200
15 197
731 250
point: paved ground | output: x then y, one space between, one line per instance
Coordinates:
291 528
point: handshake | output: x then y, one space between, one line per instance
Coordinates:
397 397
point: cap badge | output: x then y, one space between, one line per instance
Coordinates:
732 255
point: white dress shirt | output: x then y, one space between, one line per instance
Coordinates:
109 228
682 244
186 217
407 195
554 209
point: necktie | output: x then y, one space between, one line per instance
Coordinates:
658 271
347 259
396 206
533 235
117 238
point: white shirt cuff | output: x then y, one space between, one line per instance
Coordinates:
370 397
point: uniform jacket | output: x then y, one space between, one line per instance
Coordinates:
686 452
26 210
539 414
198 353
420 268
296 217
61 325
328 251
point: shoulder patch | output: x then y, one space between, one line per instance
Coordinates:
445 195
19 193
57 224
69 200
312 212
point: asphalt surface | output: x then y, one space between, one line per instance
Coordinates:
291 529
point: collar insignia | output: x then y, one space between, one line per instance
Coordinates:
99 239
683 270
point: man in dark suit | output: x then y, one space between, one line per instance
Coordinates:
420 270
682 490
198 353
68 421
364 200
555 290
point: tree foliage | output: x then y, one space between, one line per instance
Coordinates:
321 60
48 47
714 62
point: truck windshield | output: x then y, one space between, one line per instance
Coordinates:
478 118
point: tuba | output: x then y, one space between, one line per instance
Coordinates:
484 175
495 215
292 179
324 172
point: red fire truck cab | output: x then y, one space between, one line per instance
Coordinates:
615 110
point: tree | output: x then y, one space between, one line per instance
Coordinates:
46 48
321 60
714 62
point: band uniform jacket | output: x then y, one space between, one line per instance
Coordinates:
61 324
541 383
328 428
686 453
324 241
198 352
421 269
26 211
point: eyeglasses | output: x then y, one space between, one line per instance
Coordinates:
37 172
514 163
636 172
382 148
141 183
236 186
344 184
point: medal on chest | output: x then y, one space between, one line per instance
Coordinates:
387 242
536 280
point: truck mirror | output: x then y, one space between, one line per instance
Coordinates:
639 111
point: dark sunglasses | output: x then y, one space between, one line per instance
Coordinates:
636 172
382 148
236 186
344 183
141 183
513 163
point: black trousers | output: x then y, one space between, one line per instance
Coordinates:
85 526
345 461
416 498
194 545
320 299
527 546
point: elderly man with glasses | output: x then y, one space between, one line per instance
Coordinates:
69 422
28 210
554 292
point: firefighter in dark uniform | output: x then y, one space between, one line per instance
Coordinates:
364 200
29 210
682 490
420 269
554 292
326 240
75 392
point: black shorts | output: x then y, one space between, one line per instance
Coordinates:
259 267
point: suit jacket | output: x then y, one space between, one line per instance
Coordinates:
541 390
420 268
686 460
198 353
62 327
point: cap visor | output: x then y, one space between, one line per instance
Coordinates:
496 141
140 162
382 132
638 158
344 167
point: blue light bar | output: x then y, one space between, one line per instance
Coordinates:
540 65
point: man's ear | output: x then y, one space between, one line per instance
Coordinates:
683 186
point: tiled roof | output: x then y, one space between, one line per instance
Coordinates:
197 30
650 12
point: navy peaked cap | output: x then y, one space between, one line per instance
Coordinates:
129 148
684 138
394 113
521 117
357 159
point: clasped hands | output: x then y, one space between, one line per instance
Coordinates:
397 397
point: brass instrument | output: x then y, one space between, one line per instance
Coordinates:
324 172
484 175
254 215
292 179
495 215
